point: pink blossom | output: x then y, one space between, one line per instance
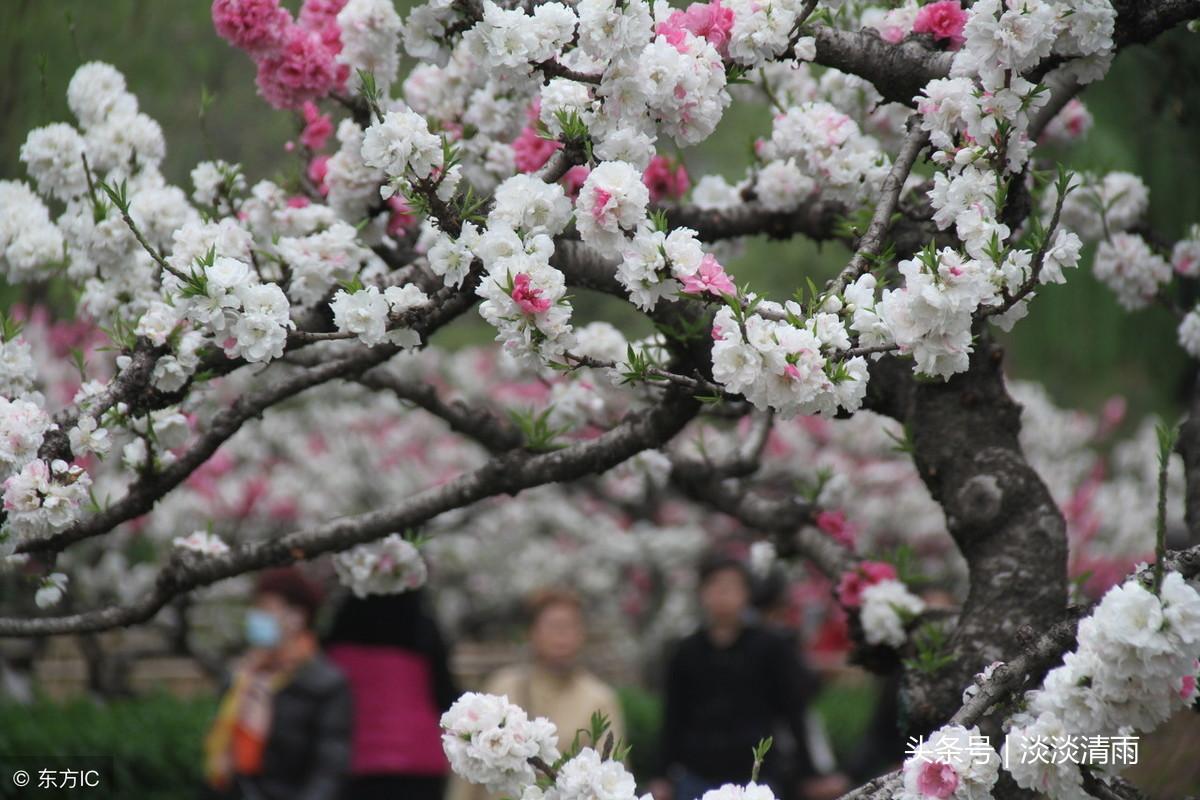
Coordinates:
256 26
1187 687
1186 264
573 180
1112 414
527 298
937 779
531 151
868 573
600 200
315 14
893 29
710 277
320 16
945 20
302 69
298 201
837 526
318 168
402 219
711 21
318 127
664 180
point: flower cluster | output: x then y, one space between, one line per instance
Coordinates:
658 266
302 60
1096 207
815 144
587 776
391 565
1125 263
367 312
884 603
249 318
887 608
524 296
23 425
401 146
978 120
955 763
1135 665
490 741
943 20
1012 36
29 241
930 316
611 205
793 364
44 497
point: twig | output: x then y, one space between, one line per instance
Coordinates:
889 198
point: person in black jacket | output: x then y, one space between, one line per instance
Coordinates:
728 686
282 730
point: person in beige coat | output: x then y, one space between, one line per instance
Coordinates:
553 684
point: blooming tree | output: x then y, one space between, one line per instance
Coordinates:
525 158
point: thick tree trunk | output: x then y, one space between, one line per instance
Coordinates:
964 434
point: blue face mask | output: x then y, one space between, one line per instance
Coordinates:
262 628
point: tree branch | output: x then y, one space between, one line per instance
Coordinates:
889 197
506 474
481 424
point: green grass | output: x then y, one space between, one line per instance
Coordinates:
154 741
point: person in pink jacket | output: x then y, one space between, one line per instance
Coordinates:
393 657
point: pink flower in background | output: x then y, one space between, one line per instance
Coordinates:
1187 687
895 25
573 180
302 69
711 21
1112 414
256 26
837 526
531 151
402 220
298 201
526 297
318 127
710 278
937 779
1068 125
664 180
318 168
321 16
868 573
945 20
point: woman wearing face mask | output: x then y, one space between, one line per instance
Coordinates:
283 726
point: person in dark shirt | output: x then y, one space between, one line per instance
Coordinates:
728 686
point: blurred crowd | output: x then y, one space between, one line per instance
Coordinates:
353 711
